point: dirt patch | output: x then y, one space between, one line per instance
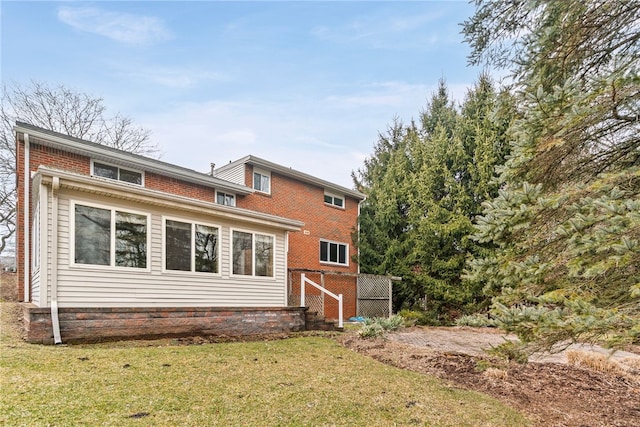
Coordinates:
549 393
8 286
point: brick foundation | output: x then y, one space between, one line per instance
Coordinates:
109 324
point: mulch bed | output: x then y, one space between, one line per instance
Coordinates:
550 394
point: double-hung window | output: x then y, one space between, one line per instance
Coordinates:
116 173
262 181
191 247
334 252
252 254
110 237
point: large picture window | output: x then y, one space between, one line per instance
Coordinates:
334 252
109 237
191 247
252 254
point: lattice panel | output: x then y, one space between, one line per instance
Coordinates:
373 308
373 287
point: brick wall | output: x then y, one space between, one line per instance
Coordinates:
108 324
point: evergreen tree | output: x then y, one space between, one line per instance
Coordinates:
567 220
424 185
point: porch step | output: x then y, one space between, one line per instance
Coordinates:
317 322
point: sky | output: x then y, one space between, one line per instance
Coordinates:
306 84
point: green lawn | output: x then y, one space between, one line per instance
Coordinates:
294 382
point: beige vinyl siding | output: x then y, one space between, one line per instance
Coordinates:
35 287
234 174
93 286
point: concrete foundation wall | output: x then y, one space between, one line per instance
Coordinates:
109 324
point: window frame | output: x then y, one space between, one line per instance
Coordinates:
261 172
225 195
334 196
112 236
193 223
253 275
328 261
94 161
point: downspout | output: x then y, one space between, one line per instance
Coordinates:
26 226
286 268
55 323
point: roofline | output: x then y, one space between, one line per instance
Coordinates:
106 153
145 195
283 170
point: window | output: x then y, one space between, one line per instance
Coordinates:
225 199
191 247
331 199
262 181
109 237
334 253
119 174
252 254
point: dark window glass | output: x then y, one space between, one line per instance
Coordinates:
131 240
130 176
264 255
338 202
342 254
92 235
206 249
178 246
324 251
105 171
328 199
242 253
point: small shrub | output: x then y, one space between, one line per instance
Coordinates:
495 374
594 361
371 330
475 321
375 327
417 317
511 351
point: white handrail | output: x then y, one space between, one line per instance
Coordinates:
303 280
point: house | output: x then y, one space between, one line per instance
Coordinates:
112 244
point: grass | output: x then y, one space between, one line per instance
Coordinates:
300 381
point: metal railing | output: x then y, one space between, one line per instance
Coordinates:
304 280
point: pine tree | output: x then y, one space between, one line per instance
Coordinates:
566 221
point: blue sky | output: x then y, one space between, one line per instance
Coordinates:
306 84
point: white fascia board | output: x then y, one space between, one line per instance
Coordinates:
125 191
109 154
301 176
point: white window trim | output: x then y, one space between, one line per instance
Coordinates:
112 249
226 194
119 167
264 173
193 247
253 263
335 196
337 243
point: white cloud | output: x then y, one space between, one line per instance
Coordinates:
121 27
173 77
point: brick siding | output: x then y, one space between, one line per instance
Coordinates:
108 324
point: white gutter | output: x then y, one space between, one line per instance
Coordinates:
55 323
26 226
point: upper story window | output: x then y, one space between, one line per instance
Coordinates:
334 252
225 199
332 199
117 173
109 237
262 181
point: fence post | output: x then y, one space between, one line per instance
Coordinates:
340 325
302 279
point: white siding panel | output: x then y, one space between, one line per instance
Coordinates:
35 287
87 286
234 174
